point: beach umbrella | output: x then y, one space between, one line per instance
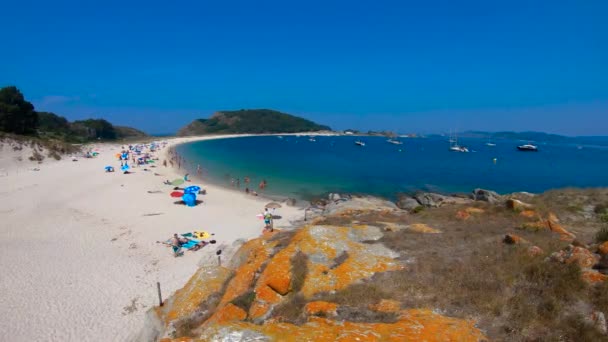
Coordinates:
192 189
189 199
176 194
109 168
273 205
125 167
177 182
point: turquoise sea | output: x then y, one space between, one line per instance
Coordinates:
295 167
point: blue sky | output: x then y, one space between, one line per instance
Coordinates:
410 66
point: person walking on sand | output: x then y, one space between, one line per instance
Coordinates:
267 220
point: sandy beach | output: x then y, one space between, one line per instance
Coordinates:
80 258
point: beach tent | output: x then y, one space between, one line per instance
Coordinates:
189 199
109 169
192 189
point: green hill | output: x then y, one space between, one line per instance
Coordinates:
250 121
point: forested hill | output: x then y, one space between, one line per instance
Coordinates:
18 116
250 121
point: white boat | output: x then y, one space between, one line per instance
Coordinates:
490 143
394 142
454 147
312 139
359 143
528 148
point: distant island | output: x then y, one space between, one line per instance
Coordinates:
536 137
19 117
253 121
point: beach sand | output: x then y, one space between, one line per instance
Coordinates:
79 252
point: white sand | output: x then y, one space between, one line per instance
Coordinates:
79 258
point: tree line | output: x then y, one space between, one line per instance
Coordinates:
18 116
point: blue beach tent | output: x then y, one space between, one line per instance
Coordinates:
192 189
189 199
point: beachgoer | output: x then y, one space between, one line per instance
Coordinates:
246 190
176 245
267 220
246 179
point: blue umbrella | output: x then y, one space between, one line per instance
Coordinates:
125 167
189 199
109 168
192 189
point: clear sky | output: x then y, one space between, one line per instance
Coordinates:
410 66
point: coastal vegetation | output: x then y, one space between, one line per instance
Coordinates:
22 125
250 121
522 267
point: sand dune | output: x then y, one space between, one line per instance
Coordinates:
80 259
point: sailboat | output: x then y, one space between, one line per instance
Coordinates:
454 147
359 143
490 143
394 142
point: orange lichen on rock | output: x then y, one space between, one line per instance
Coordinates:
512 239
321 307
603 248
473 210
413 325
577 255
201 285
517 205
554 226
423 228
227 313
529 213
254 252
593 277
462 215
386 305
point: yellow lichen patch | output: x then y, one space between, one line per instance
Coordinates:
257 251
227 313
386 305
414 325
603 248
321 307
201 285
593 277
423 228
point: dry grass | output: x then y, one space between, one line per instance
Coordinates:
602 235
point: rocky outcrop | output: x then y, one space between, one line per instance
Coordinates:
432 200
407 203
487 196
242 300
585 259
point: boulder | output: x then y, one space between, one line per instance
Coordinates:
578 255
432 200
512 239
599 322
407 203
517 205
603 248
334 197
487 196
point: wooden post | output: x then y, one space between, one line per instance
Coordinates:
160 297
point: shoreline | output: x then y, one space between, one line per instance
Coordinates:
80 245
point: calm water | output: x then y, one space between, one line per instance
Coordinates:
296 167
